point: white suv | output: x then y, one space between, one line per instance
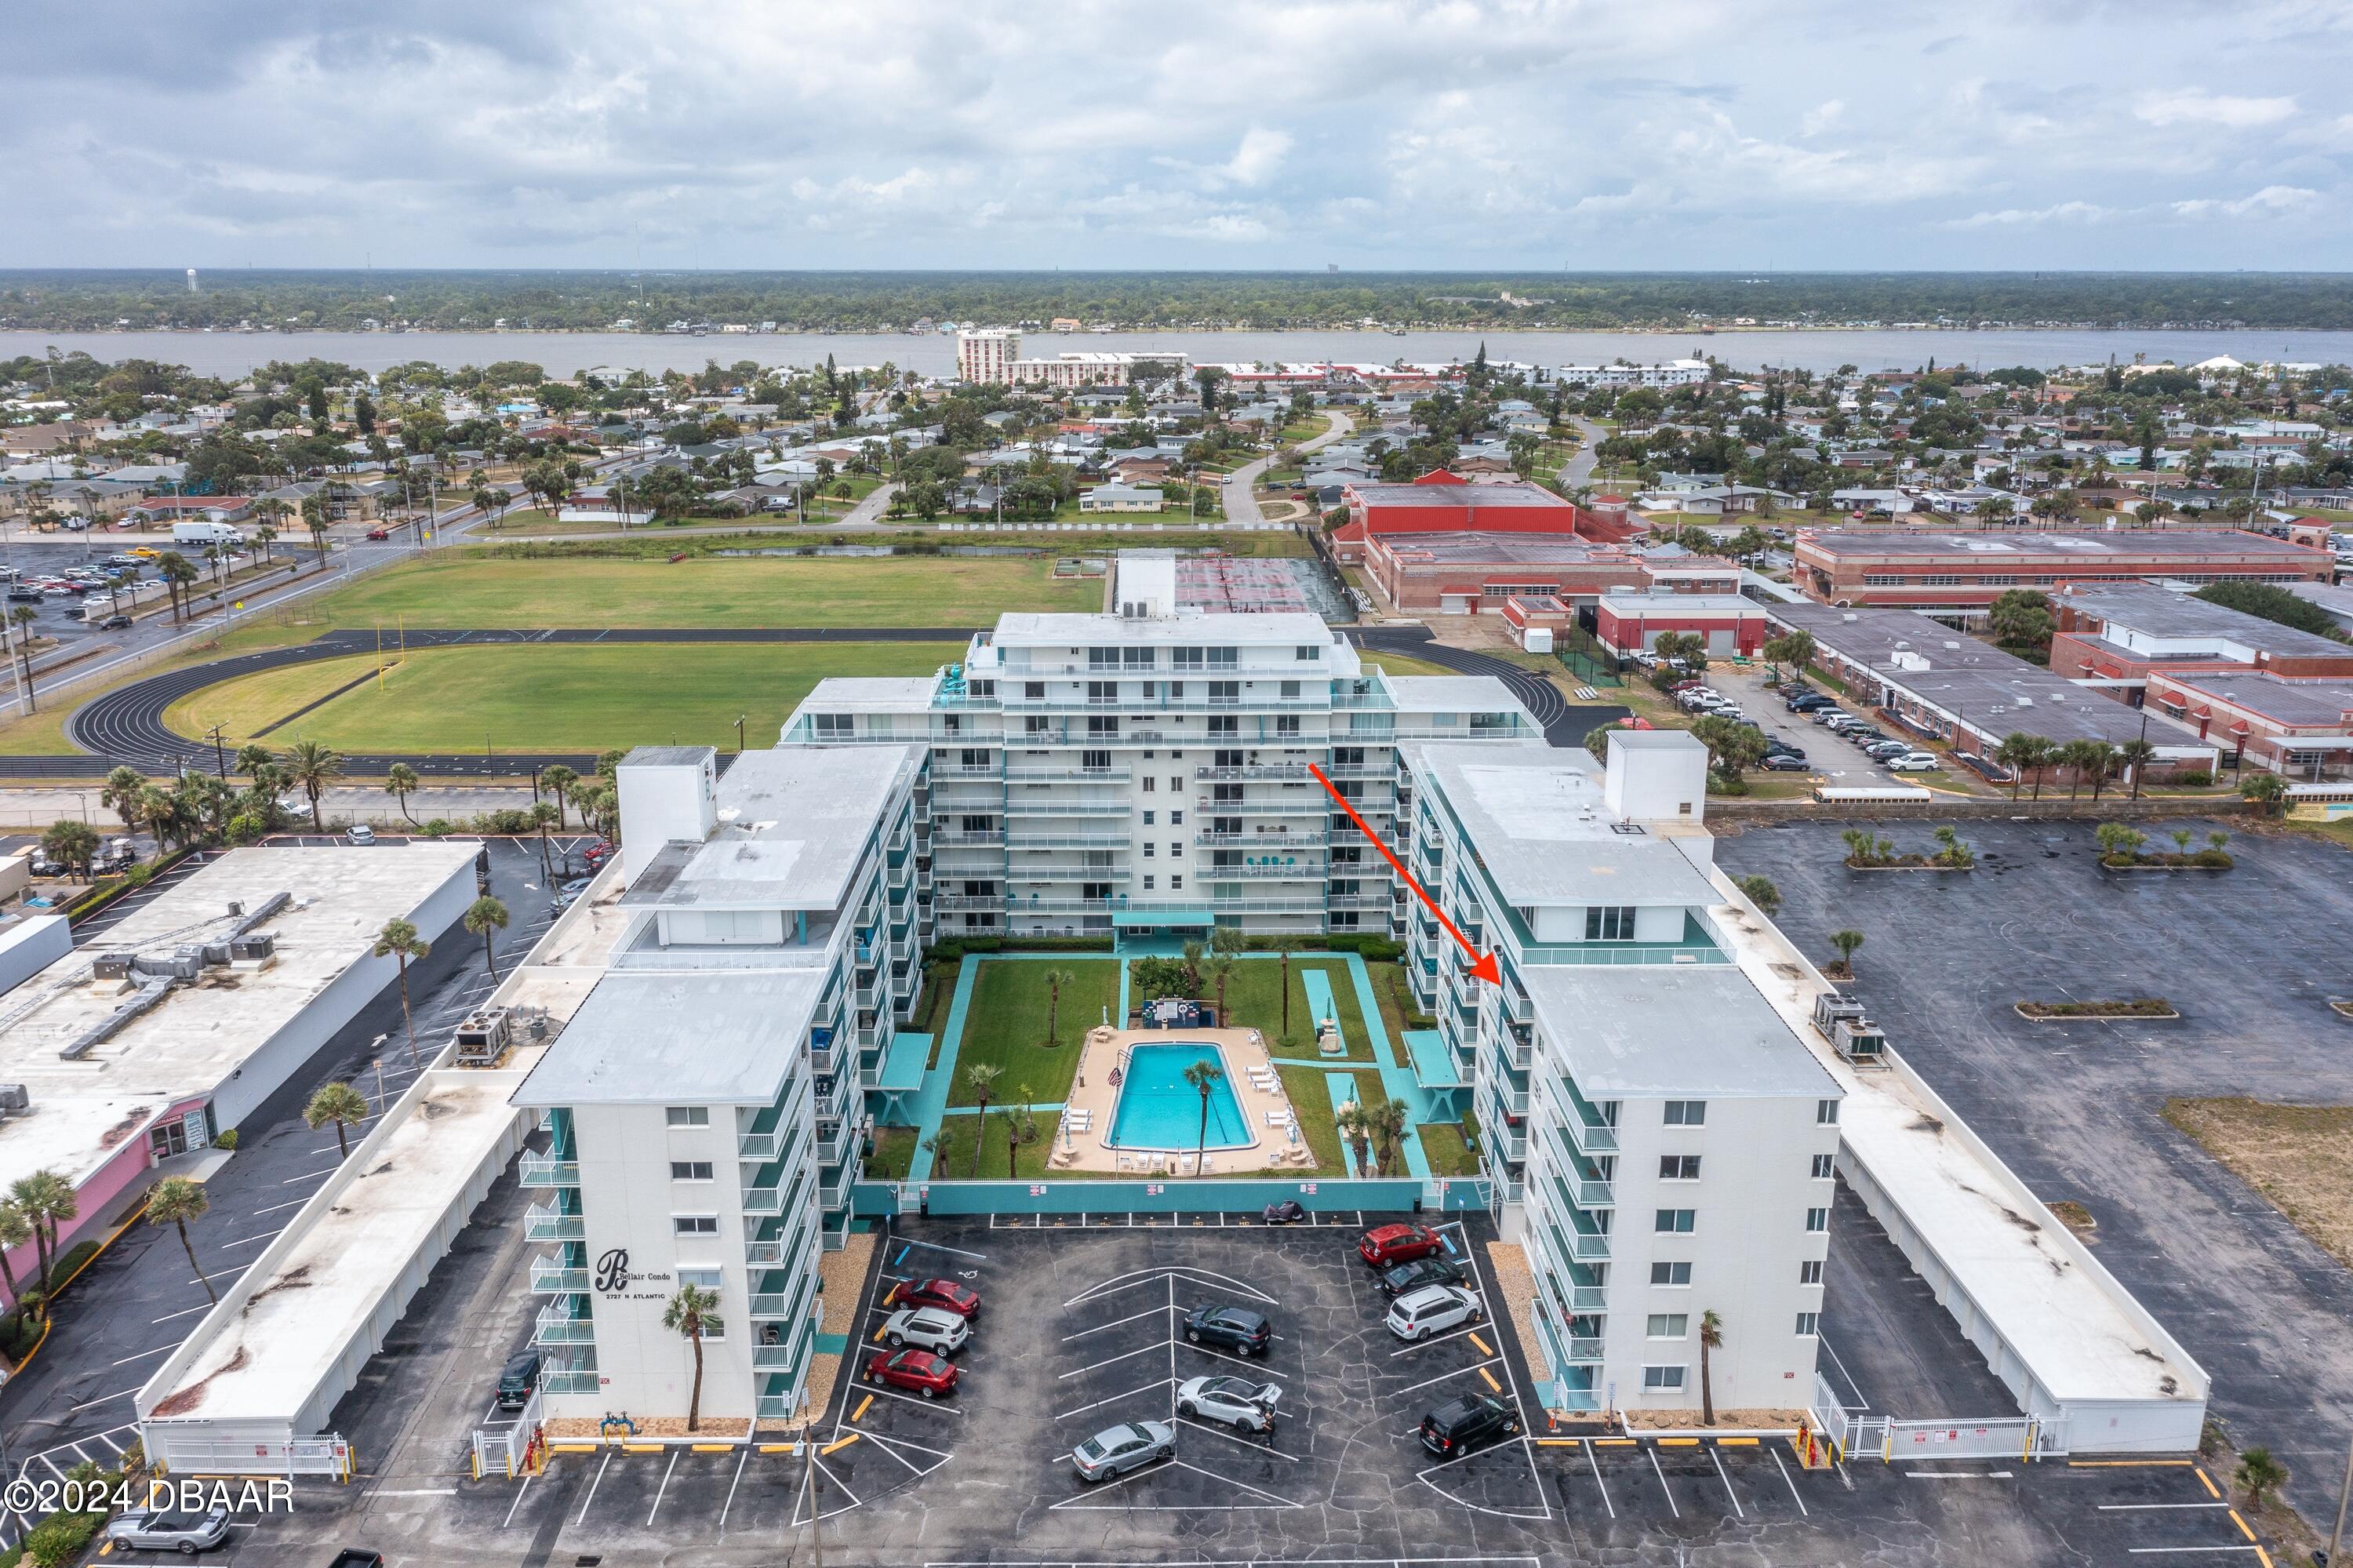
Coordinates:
1433 1310
942 1333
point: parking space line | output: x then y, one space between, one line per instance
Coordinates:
2146 1507
1803 1511
249 1241
1441 1338
902 1443
2242 1524
1115 1322
1655 1470
102 1399
1171 1272
1737 1512
1098 1404
2208 1480
935 1247
920 1403
1232 1436
275 1207
1129 1355
141 1356
733 1485
659 1491
1596 1463
913 1468
593 1481
823 1468
1441 1377
1859 1402
516 1506
2174 1551
310 1176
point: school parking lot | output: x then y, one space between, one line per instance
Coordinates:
1080 1329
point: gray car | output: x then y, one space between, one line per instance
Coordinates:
164 1529
1119 1449
1240 1402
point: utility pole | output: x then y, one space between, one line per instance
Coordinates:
220 751
739 731
2344 1495
808 1456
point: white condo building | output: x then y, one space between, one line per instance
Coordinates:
993 354
1666 373
1659 1140
705 1101
987 354
1147 772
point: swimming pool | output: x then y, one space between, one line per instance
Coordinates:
1158 1110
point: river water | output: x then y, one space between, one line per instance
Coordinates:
232 354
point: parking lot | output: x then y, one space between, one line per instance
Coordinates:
1080 1331
1829 757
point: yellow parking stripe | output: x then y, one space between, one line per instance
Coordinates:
879 1332
780 1447
1492 1384
840 1443
1678 1442
1736 1442
2210 1486
1612 1442
714 1447
861 1407
641 1447
891 1296
1556 1442
1482 1344
571 1447
2130 1464
2264 1557
2242 1524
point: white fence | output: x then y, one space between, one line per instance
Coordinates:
1857 1436
188 1454
502 1445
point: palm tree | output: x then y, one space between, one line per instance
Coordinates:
689 1312
2074 757
398 780
120 794
1759 890
2017 752
484 916
2135 755
16 1230
1193 953
558 779
980 1078
1282 987
1711 1337
1389 1124
159 810
252 759
1846 942
315 518
1219 968
2099 758
73 843
399 941
341 1104
490 501
1204 1077
542 817
44 1197
313 766
177 572
175 1200
273 514
1355 1124
2265 792
1055 981
22 616
2258 1472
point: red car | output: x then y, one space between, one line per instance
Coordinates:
1385 1245
379 535
945 1294
921 1371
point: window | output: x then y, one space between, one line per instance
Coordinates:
1610 923
1225 658
1136 658
1102 692
1306 653
1686 1113
689 1169
1287 724
1289 691
1176 849
1102 658
1036 723
1826 1113
1185 658
1099 728
1148 815
834 724
1150 784
1822 1163
1176 885
694 1225
1147 882
1657 1378
703 1278
1674 1222
1176 819
1033 690
1678 1167
1818 1219
1226 728
1810 1271
1669 1325
1671 1274
1147 849
687 1116
1810 1323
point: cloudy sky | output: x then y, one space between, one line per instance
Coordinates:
1223 133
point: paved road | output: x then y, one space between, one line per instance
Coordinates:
1565 723
1578 469
1241 503
127 725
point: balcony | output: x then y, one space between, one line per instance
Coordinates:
1292 869
775 1358
1582 1350
545 1171
1294 772
1018 805
951 901
1066 775
1298 804
574 1373
777 1406
1590 1193
558 1325
1069 840
542 1223
1259 840
1357 900
957 770
967 838
551 1277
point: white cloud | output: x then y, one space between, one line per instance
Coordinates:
2269 201
1822 116
1259 156
2192 107
2013 216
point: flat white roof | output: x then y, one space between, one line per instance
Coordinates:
869 694
1454 694
199 1034
265 1361
2071 1324
1031 629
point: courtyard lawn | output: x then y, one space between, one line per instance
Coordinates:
1399 1010
1005 1025
1442 1146
482 591
894 1153
1398 664
1254 1001
952 1161
1304 1082
545 696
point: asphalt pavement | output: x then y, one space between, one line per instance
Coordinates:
1565 723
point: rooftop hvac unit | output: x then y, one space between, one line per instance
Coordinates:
482 1036
15 1099
256 945
1830 1010
111 966
217 954
1864 1044
181 963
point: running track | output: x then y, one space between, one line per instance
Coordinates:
1565 723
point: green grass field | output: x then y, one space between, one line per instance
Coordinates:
544 696
1005 1025
1398 664
1254 1001
472 590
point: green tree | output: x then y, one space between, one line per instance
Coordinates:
692 1309
2265 792
1953 851
340 1104
542 817
2018 752
175 1200
399 779
1389 1124
1796 650
1217 968
1759 890
45 1198
981 1078
484 916
2134 756
2258 1472
1846 942
312 766
399 942
16 1230
559 781
72 843
1056 979
1356 1125
121 794
1711 1339
2021 618
1205 1077
1732 748
317 518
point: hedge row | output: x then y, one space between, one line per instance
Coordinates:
1371 949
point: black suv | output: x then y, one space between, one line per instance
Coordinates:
1465 1424
1237 1329
1422 1271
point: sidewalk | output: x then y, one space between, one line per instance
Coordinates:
22 808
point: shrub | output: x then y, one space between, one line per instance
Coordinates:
439 827
2194 778
20 1331
1151 978
139 875
227 1139
507 819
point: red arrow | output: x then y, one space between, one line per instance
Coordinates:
1483 965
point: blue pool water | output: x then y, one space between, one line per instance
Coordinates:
1158 1110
